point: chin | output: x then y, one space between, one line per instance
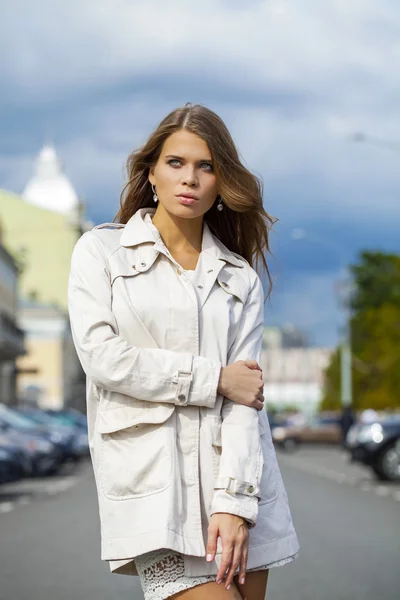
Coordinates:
186 212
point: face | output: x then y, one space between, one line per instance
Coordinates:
184 177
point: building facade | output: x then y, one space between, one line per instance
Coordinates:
11 336
294 377
40 230
49 373
293 371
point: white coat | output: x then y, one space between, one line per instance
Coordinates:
152 342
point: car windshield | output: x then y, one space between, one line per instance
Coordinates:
329 421
60 418
13 419
37 417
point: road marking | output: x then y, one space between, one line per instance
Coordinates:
316 469
24 500
332 475
38 489
61 486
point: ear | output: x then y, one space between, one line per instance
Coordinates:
151 177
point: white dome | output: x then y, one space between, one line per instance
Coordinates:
49 187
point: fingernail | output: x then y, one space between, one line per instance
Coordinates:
219 581
229 587
242 581
209 557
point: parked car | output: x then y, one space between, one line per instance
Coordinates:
73 418
9 466
318 430
45 455
69 416
71 441
377 445
22 455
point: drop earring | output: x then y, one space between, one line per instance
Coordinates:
220 205
155 197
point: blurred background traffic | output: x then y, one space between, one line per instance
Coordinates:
309 91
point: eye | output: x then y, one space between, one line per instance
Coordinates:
175 161
207 166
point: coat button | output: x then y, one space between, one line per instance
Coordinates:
250 489
200 287
142 264
181 397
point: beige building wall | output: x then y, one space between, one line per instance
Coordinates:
42 241
49 373
45 357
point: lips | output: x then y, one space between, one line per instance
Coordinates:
186 199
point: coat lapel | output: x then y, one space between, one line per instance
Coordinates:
212 259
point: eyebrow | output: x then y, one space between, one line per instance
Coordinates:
180 158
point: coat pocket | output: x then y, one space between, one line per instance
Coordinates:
269 485
136 451
134 413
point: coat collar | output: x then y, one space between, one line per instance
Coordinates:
140 230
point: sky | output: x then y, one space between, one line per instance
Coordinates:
293 81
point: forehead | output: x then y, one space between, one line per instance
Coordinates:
186 144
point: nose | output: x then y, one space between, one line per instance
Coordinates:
189 177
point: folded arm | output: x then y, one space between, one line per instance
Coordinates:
241 458
151 374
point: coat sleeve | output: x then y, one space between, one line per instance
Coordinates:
151 374
241 461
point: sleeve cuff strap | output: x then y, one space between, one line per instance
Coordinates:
183 379
234 486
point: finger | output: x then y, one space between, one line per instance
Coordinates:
252 364
235 563
243 563
226 561
211 543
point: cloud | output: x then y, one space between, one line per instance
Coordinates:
292 81
66 48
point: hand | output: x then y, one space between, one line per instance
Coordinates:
234 534
242 382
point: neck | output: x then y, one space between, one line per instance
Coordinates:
179 235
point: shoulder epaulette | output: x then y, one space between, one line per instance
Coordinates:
109 226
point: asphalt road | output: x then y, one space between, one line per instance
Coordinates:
348 525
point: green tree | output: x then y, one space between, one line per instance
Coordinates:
375 333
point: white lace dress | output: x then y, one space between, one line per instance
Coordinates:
162 572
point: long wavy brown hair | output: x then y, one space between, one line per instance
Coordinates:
243 226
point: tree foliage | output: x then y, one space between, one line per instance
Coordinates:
375 336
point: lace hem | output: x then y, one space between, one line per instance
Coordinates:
162 573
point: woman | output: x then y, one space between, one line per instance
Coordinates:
167 319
